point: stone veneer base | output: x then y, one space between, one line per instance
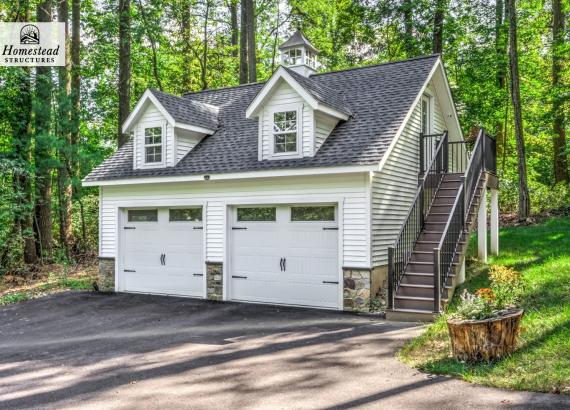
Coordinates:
215 280
106 277
356 289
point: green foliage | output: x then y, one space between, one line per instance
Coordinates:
185 45
473 307
542 254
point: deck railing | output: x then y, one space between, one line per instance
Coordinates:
438 156
483 158
399 254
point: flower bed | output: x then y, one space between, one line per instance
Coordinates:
486 323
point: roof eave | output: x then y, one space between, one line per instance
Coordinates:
286 172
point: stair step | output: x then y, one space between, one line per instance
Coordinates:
416 285
417 289
414 302
409 315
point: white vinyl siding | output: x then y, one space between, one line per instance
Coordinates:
284 98
323 127
185 142
394 188
153 118
349 189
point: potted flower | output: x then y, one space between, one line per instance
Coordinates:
486 324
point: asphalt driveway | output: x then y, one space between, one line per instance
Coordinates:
136 351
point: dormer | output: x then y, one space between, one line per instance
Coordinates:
296 113
299 54
165 128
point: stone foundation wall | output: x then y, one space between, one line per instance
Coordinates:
357 289
106 277
214 280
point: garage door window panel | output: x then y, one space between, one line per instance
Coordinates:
143 215
313 213
185 215
257 214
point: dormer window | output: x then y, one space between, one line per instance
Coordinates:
153 145
293 57
285 132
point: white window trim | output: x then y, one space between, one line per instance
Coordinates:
298 153
428 98
163 145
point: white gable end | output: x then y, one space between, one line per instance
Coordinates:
175 142
313 127
151 117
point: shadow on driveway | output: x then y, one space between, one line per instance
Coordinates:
126 350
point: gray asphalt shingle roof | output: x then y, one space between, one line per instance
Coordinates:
321 92
188 111
378 96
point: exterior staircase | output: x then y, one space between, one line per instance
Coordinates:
426 262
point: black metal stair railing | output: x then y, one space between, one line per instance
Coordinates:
400 253
483 158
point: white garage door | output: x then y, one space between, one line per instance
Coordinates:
285 254
162 251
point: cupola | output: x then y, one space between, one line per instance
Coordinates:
299 54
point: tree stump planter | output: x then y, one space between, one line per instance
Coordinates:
488 339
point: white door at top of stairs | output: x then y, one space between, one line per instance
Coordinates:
285 254
162 251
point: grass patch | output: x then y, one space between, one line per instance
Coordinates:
542 362
47 279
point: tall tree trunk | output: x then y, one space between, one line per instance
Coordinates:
75 92
204 64
243 44
24 220
186 51
438 18
234 26
501 40
124 67
275 40
409 45
152 42
64 192
524 197
251 45
42 152
558 56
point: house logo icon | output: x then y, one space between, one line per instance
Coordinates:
29 34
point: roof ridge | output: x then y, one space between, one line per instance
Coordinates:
313 75
222 88
377 65
185 99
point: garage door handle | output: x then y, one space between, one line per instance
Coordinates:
239 277
198 274
330 282
129 227
236 228
129 270
330 229
281 264
198 227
